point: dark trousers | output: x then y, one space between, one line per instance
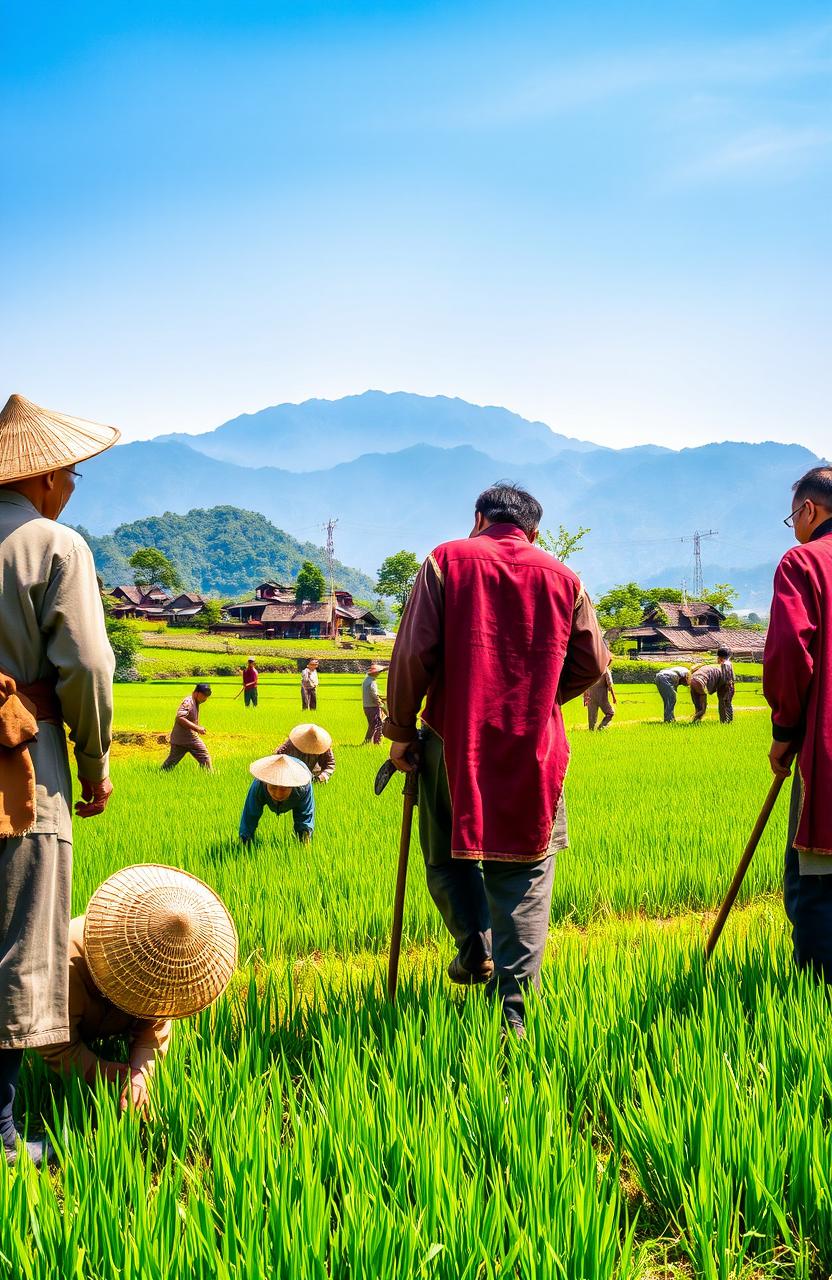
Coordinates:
699 698
374 725
808 902
10 1060
725 701
667 689
592 709
178 752
491 909
250 695
308 698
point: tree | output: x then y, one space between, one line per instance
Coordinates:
562 544
124 641
151 568
722 596
310 583
396 577
210 615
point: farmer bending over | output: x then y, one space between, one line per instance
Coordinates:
667 683
284 785
498 634
127 975
313 746
717 679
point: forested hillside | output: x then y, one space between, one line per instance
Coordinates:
224 550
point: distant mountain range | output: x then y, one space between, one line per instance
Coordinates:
403 471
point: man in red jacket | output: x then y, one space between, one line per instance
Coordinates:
797 683
497 634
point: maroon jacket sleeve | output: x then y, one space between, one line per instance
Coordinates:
417 653
788 663
587 656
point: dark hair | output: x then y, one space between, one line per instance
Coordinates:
203 688
722 652
815 486
506 503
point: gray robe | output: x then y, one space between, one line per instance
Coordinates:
51 627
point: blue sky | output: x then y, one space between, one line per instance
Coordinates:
615 218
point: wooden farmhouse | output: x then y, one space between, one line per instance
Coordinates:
154 605
275 614
688 631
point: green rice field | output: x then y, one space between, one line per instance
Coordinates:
659 1120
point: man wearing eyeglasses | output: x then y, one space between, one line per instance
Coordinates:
797 683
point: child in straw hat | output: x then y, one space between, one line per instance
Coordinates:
284 785
155 944
313 745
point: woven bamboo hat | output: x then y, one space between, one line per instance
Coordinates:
158 942
310 738
374 669
280 771
34 440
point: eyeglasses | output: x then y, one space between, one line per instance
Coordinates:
72 472
789 520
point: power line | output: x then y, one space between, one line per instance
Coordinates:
698 578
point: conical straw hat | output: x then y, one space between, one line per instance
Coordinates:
34 440
280 771
310 738
158 942
374 669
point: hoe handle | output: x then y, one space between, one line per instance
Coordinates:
411 788
744 863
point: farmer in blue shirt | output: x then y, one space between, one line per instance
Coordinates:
284 785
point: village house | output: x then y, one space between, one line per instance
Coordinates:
154 605
275 614
688 631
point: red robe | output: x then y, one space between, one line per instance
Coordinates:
797 678
497 633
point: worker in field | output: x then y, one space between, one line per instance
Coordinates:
797 684
725 692
187 732
283 784
155 944
373 703
497 634
600 697
716 678
312 745
56 669
667 683
309 686
250 678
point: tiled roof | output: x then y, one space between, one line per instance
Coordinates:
306 612
131 593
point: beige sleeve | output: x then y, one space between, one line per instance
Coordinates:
151 1041
587 656
77 646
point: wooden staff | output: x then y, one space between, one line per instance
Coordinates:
744 863
411 791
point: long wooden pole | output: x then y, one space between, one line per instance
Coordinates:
744 863
411 789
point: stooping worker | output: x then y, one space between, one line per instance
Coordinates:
667 683
797 684
284 785
313 746
497 634
187 733
309 686
373 704
715 678
56 669
600 697
155 944
250 677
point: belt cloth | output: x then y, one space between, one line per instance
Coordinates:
21 707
